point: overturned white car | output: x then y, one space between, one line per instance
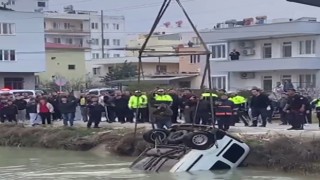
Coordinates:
191 148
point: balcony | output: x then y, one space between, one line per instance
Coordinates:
275 64
72 31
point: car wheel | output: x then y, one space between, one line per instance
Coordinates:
152 135
177 137
199 140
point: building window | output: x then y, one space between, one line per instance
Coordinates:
42 4
116 26
194 59
116 42
307 81
95 55
116 55
45 25
219 51
219 82
13 83
94 25
287 49
7 28
55 25
57 40
161 69
71 67
95 41
96 71
196 40
267 50
106 25
67 25
69 41
307 47
7 55
106 55
106 42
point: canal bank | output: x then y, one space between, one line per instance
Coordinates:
276 150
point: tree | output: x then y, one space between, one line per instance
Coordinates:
121 72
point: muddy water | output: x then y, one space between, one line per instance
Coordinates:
37 164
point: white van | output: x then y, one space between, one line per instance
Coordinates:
101 91
208 151
33 93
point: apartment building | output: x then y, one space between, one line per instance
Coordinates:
26 5
159 70
22 49
271 51
84 29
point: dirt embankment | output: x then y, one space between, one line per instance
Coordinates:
274 151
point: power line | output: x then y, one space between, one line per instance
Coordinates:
114 9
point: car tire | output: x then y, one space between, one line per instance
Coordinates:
150 136
199 140
177 137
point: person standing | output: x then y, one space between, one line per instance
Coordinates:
121 105
175 106
44 109
11 111
21 105
95 113
32 110
316 103
67 109
260 104
184 106
162 116
234 55
108 100
282 104
83 107
224 112
138 103
295 108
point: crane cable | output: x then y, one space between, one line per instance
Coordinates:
161 12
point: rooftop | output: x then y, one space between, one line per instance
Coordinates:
262 29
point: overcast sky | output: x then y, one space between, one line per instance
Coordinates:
140 14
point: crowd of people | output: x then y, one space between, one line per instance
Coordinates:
162 108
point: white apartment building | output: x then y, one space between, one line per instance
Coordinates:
22 49
271 52
84 29
26 5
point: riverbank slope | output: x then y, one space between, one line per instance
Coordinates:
270 148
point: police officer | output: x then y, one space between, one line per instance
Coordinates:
316 104
161 97
224 112
206 96
295 107
240 103
139 104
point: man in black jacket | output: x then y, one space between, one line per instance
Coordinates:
260 104
22 106
175 106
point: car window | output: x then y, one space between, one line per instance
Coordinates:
28 93
94 92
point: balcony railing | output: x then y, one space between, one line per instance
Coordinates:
72 30
252 65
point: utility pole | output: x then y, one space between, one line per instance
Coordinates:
102 34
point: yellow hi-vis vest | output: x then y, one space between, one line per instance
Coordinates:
206 95
318 103
138 102
238 100
163 98
83 101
